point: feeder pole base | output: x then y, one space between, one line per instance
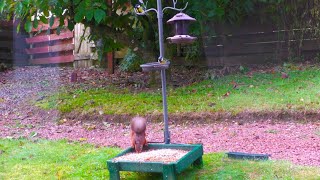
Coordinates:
165 108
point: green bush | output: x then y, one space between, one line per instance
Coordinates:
131 62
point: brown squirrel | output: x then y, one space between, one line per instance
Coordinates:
138 133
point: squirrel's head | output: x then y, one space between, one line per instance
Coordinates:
139 142
138 147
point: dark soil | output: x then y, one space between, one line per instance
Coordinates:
284 135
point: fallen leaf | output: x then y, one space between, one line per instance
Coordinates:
250 74
273 71
106 124
89 127
82 139
284 75
234 84
211 104
62 121
227 94
33 134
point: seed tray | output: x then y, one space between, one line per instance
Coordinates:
169 170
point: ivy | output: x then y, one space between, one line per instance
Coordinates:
28 25
2 4
99 15
35 23
89 15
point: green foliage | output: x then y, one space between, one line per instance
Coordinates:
2 4
43 159
220 10
28 26
92 13
117 26
193 51
99 15
131 62
244 69
260 93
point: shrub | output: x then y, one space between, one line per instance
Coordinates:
131 62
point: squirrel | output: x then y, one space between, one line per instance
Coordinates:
138 133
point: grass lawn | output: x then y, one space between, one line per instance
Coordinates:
43 159
263 92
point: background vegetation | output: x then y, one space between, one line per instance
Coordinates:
116 26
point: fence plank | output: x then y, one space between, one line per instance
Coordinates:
52 37
6 34
6 24
49 49
6 44
53 60
236 46
311 45
6 56
81 41
240 60
256 37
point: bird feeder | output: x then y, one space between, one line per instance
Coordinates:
181 23
194 152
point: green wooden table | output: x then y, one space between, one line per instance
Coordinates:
169 170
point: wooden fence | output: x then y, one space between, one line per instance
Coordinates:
255 43
47 47
12 44
84 49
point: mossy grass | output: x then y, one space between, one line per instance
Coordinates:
44 159
261 92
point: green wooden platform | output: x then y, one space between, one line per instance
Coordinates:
169 170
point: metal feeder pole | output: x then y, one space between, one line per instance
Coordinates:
163 74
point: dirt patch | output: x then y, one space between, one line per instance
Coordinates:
201 118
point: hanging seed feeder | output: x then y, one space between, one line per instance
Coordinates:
181 23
